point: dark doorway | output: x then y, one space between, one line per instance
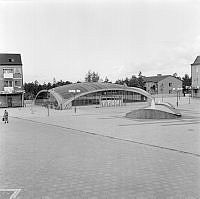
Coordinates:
9 101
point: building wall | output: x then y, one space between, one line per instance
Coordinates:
16 100
16 76
3 101
166 85
195 74
150 85
11 82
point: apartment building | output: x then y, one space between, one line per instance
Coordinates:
11 81
162 84
195 74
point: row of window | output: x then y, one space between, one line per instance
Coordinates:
9 83
12 70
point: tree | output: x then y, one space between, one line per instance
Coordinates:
133 82
49 86
126 81
31 89
141 82
106 79
176 75
119 81
92 76
95 77
88 77
187 81
54 80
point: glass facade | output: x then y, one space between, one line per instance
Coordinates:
46 98
108 98
103 98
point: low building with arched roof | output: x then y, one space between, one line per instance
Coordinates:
91 93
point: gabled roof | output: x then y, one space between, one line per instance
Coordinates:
197 61
155 79
10 59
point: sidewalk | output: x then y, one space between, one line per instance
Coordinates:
182 135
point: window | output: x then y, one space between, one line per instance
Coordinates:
8 70
170 84
18 83
8 83
18 71
11 60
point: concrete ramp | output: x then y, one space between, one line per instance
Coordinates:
158 111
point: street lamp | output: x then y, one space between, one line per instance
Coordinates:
162 86
189 90
177 92
74 92
48 102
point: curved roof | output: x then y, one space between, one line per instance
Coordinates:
85 88
64 97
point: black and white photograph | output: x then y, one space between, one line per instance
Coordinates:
99 99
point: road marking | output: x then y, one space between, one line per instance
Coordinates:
7 191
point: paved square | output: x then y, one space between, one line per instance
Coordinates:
9 193
100 154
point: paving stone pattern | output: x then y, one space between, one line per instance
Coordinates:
6 194
48 162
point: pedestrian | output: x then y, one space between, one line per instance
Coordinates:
5 117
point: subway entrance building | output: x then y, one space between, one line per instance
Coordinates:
88 94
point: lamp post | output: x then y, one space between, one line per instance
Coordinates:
180 90
162 86
74 92
48 102
189 90
177 94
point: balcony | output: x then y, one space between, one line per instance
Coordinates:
17 75
8 75
8 89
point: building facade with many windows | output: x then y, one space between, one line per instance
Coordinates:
11 81
195 74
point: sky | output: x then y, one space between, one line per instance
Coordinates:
63 39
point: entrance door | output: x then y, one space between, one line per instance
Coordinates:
9 101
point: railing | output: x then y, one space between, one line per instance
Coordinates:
8 89
17 75
8 75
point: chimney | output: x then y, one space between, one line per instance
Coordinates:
159 75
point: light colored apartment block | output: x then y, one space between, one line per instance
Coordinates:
195 74
11 81
162 84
